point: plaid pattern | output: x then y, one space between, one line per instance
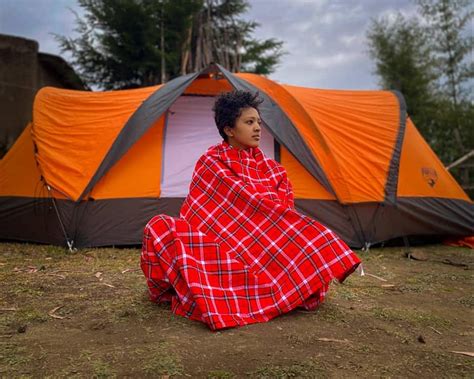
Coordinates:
240 253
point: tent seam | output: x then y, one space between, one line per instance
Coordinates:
394 168
328 184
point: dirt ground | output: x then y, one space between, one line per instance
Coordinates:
86 314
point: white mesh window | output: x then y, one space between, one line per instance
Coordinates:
190 131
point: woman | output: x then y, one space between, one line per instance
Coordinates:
240 253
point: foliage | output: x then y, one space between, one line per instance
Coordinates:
404 63
132 43
219 36
427 59
447 20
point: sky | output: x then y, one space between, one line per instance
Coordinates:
324 40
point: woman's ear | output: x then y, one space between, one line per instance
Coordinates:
228 131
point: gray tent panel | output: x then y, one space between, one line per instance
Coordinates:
121 221
33 220
333 215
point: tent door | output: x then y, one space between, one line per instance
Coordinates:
190 131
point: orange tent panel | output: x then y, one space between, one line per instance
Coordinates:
305 186
422 174
19 175
208 87
361 128
138 172
73 130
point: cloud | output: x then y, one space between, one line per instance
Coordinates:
324 39
339 59
39 20
349 40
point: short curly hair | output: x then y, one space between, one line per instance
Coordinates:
228 107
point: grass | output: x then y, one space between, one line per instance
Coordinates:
31 315
297 370
467 301
220 374
135 307
22 317
414 317
160 361
12 355
329 312
24 291
89 364
116 331
355 289
102 369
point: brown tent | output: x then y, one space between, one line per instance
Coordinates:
93 168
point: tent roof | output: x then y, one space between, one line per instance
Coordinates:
350 141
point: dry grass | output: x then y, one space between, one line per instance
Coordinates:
104 326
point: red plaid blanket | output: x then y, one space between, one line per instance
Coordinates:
240 253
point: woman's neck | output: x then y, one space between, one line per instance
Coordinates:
237 145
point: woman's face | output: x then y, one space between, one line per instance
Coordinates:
247 130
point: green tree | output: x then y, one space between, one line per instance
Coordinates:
403 62
121 43
132 43
447 21
427 59
219 35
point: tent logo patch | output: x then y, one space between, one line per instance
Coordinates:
430 175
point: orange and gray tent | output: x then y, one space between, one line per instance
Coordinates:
93 167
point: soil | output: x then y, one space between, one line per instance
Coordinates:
87 314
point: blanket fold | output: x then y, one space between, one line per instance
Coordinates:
240 253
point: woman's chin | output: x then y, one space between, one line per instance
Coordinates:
254 143
246 145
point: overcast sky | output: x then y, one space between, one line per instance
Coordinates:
325 40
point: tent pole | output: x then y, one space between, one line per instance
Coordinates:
69 242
